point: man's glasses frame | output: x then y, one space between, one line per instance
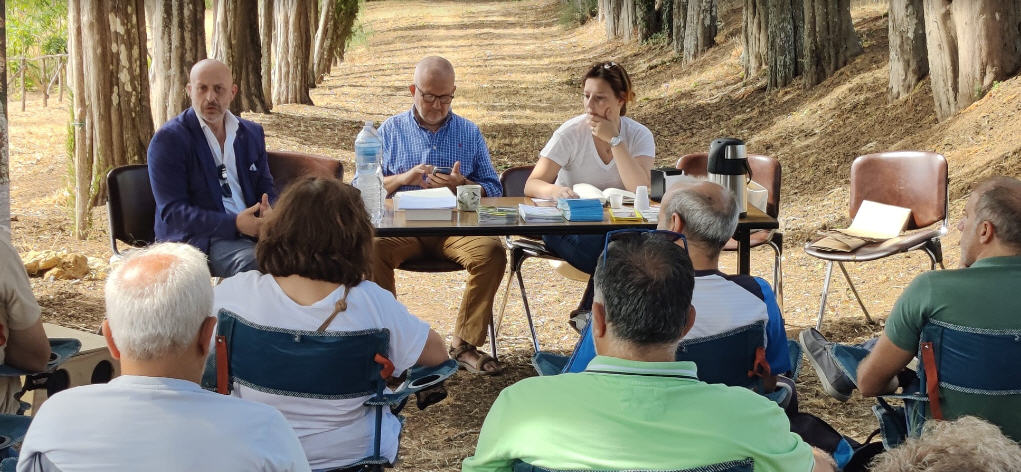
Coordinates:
631 232
430 98
224 187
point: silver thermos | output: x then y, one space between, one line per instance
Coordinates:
728 166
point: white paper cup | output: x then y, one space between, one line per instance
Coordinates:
616 201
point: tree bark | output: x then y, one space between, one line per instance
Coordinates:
266 44
291 47
313 27
785 42
325 36
624 19
830 40
755 36
112 117
236 43
5 176
680 23
908 61
700 34
178 42
971 45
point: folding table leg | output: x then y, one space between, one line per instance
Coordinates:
825 290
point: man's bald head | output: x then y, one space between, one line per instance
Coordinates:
211 88
157 299
433 68
709 213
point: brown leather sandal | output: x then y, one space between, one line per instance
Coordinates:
478 367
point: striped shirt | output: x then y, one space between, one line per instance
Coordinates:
407 144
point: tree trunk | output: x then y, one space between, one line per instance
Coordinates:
236 43
755 36
325 36
291 47
266 45
971 45
680 22
908 61
700 34
348 12
622 19
665 17
5 176
785 42
313 27
830 40
178 42
112 118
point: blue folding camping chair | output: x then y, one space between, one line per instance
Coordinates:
744 465
314 364
953 359
13 427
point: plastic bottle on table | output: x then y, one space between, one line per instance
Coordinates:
368 174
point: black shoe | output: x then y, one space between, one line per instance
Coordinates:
430 395
833 379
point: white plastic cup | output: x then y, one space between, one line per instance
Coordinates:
616 201
642 198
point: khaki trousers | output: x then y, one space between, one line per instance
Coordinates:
484 257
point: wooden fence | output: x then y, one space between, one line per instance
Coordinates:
52 76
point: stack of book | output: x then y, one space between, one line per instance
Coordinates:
581 209
490 215
536 214
432 204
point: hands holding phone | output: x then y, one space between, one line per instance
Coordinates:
449 177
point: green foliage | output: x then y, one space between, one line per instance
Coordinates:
360 32
35 28
660 38
576 12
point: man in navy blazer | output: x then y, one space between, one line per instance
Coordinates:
210 175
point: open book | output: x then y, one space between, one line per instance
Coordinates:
874 222
590 191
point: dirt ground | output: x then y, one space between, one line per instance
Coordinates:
517 75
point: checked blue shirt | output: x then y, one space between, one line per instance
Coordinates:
406 144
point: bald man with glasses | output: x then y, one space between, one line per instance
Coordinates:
429 146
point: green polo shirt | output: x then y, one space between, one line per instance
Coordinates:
985 295
622 414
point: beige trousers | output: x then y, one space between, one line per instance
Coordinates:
484 257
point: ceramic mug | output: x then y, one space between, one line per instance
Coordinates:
468 197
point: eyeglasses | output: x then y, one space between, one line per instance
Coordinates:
619 234
430 98
224 187
609 65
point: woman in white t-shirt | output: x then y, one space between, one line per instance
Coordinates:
315 248
601 147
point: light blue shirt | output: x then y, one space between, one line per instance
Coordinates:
407 144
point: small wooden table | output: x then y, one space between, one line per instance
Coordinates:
467 224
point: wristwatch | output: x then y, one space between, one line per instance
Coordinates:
615 141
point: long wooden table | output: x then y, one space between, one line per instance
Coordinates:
467 224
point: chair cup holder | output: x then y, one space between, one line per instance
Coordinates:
425 381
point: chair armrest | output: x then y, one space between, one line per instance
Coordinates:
419 378
61 349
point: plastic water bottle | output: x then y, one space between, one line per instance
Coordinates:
368 174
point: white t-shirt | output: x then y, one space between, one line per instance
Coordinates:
158 423
722 305
572 148
334 433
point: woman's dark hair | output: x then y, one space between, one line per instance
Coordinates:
319 229
615 75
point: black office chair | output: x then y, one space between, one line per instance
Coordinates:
131 206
